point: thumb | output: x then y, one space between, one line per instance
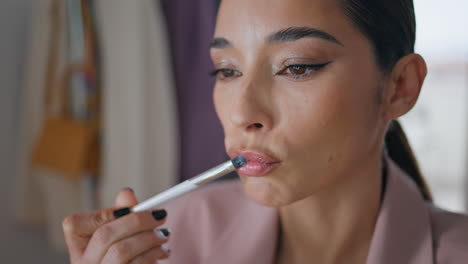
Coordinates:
85 224
126 198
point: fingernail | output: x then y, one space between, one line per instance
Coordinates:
128 189
165 249
121 212
159 214
163 233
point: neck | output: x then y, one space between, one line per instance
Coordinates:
334 226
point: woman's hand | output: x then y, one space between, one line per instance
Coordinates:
114 236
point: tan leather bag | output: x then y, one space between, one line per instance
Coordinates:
66 145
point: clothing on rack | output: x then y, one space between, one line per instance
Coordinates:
140 131
43 196
146 144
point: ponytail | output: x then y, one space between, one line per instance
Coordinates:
400 151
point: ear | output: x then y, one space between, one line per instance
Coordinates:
406 80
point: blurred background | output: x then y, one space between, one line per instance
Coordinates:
128 81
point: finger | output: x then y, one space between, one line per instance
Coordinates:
79 228
126 198
85 224
122 228
150 256
129 248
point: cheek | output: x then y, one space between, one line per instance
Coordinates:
216 100
320 113
220 104
327 125
340 106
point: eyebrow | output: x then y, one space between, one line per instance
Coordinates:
296 33
284 35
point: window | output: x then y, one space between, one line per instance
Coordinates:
437 127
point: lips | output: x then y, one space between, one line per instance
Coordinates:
259 164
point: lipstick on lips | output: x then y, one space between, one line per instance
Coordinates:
258 164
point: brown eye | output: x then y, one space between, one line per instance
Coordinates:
301 71
297 69
227 73
224 74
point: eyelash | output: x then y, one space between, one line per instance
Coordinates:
225 70
309 68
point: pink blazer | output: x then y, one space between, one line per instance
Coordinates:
220 225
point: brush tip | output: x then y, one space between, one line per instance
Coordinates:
239 161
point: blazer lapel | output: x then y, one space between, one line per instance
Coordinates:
403 230
249 239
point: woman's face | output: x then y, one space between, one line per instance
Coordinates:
297 93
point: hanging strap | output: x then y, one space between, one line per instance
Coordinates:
90 68
57 85
52 61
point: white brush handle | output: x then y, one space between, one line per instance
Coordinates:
185 187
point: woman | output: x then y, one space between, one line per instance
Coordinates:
306 90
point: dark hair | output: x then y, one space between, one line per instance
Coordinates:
390 26
399 150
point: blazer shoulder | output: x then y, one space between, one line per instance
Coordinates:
450 235
211 207
215 195
198 220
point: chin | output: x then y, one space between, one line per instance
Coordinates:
265 192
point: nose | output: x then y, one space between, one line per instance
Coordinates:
251 109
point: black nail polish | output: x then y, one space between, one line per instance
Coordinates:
163 233
159 214
121 212
166 232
